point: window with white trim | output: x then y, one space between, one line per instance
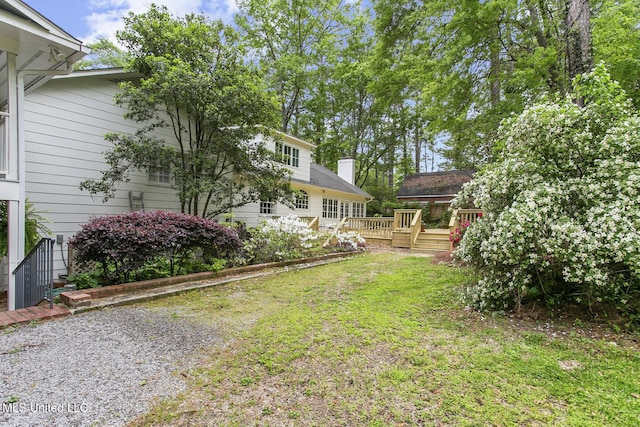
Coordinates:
329 208
162 175
357 209
301 200
287 154
344 209
267 207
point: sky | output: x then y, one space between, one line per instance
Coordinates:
89 20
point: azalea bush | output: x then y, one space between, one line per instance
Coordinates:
561 205
131 244
348 241
456 235
280 239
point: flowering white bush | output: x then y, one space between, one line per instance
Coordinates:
280 239
561 205
350 241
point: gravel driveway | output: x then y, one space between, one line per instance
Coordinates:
100 368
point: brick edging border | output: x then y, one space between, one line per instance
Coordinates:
83 297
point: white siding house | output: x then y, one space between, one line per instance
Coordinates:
32 50
65 124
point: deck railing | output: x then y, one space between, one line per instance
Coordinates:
416 226
383 228
313 221
34 276
369 228
462 216
402 219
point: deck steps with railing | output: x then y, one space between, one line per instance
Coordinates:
432 240
404 229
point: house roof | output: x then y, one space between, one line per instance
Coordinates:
434 183
321 176
39 45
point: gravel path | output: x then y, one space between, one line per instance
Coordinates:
100 368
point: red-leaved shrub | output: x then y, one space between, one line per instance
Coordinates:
123 244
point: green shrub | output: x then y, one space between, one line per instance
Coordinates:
88 280
34 227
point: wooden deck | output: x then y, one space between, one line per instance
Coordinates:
404 229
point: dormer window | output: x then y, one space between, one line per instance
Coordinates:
288 155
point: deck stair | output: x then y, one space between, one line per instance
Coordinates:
432 241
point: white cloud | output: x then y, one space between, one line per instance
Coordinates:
106 16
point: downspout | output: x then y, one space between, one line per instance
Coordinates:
17 210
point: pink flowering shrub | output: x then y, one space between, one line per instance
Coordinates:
456 235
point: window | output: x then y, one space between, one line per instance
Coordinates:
344 209
302 200
161 175
329 208
288 155
267 207
358 210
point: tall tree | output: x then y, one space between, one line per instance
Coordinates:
104 54
616 41
290 38
578 37
195 83
476 62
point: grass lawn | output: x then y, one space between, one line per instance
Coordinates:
383 340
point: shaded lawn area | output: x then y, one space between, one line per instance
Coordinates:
383 340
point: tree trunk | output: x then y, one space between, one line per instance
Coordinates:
578 37
417 143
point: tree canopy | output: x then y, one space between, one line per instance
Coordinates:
194 81
407 86
104 54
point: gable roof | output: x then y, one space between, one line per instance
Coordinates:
427 184
321 176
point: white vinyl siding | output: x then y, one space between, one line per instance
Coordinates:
65 124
